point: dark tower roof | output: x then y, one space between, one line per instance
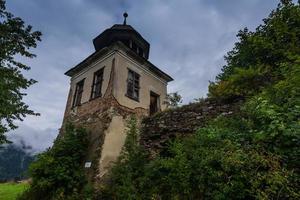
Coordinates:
138 47
125 34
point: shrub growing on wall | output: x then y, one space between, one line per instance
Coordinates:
58 173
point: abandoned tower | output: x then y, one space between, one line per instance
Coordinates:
114 82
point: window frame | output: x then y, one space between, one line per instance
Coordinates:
133 84
78 92
94 84
157 106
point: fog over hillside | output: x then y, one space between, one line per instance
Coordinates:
35 140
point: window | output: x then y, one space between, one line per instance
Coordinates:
134 47
133 85
141 52
97 84
78 93
126 42
154 103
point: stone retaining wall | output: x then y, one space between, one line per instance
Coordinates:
159 129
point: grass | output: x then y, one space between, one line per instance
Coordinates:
10 191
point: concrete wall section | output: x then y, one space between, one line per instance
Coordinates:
115 137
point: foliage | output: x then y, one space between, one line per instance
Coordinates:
16 39
253 154
225 160
255 62
10 191
211 165
198 100
58 173
173 100
128 171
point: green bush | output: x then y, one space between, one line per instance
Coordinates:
257 58
58 173
251 155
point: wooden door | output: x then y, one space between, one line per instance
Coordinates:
154 103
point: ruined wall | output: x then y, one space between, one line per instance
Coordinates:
107 134
159 129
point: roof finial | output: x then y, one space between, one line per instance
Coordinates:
125 15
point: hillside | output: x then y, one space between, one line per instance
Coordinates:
14 162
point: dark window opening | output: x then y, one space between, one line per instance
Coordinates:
97 84
126 42
141 52
154 103
133 85
78 93
134 47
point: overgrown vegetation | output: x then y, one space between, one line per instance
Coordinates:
260 58
253 154
128 171
58 173
16 38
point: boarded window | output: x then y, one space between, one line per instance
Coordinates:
97 84
133 85
78 93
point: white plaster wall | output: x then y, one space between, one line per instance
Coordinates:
148 82
88 75
114 140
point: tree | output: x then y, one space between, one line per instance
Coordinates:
16 38
173 100
58 173
255 61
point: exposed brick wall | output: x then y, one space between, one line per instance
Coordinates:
159 129
96 117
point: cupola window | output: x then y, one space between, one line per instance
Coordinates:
134 47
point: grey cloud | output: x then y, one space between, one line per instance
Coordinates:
37 139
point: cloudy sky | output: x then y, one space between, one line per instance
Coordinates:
188 41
